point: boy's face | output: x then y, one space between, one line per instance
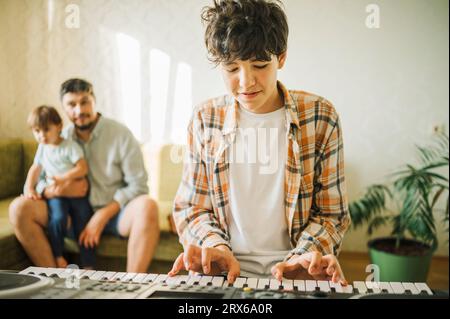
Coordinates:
49 136
254 83
79 108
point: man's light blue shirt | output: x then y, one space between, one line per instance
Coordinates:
116 164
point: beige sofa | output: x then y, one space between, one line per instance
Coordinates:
164 176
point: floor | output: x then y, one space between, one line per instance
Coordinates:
354 265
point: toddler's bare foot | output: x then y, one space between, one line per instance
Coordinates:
61 262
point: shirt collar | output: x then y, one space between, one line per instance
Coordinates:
232 113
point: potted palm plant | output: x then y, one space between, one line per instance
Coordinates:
407 204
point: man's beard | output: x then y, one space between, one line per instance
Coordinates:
85 127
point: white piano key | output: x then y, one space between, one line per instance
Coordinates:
397 287
252 283
274 284
88 274
288 284
361 286
385 286
29 270
217 281
172 281
97 275
263 282
323 285
129 277
150 278
34 271
347 289
54 272
118 276
108 275
183 279
300 284
337 287
310 285
193 280
411 287
160 279
205 280
139 278
374 286
421 286
239 282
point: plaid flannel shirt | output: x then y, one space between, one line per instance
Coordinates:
316 206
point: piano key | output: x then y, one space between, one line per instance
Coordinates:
128 277
421 286
252 283
310 285
323 285
108 275
300 285
263 283
150 278
217 281
347 289
88 274
274 284
205 280
160 279
411 287
97 275
239 282
118 276
28 271
385 286
193 280
172 281
361 286
337 287
374 286
139 278
183 279
397 287
288 284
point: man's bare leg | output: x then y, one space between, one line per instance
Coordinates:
29 218
140 224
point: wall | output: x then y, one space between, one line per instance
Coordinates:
389 85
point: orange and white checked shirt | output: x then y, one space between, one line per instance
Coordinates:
316 207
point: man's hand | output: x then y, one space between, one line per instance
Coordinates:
210 261
32 194
311 264
90 236
71 188
58 180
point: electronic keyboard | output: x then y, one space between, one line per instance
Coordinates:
39 282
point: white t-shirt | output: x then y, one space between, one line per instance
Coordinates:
258 226
55 160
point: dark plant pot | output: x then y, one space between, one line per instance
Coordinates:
400 268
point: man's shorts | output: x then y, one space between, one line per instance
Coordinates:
111 228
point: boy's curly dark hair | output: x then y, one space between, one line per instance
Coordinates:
245 29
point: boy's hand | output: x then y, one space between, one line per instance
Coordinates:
308 265
210 261
32 194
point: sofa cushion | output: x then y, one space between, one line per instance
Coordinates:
11 168
12 254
